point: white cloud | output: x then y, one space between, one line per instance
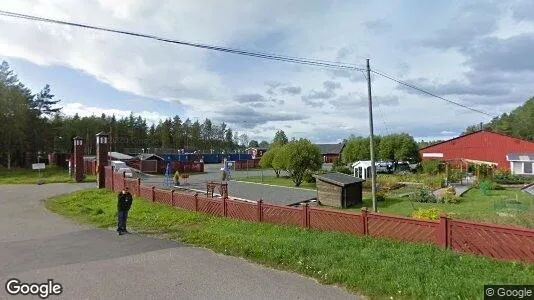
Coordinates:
82 110
428 41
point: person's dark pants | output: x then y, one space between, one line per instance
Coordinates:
122 218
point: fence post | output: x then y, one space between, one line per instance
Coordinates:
123 179
225 211
305 220
443 231
138 187
365 220
153 194
112 174
260 210
196 202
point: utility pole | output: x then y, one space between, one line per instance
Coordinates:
371 136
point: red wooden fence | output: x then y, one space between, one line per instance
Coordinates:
496 241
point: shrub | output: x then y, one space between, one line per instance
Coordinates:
450 196
308 177
505 177
342 169
423 195
431 167
485 187
380 196
427 213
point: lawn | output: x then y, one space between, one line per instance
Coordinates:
281 181
474 206
376 268
51 174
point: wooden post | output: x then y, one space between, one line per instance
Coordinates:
443 231
225 207
138 187
260 210
153 194
172 197
112 179
365 220
123 179
305 220
196 202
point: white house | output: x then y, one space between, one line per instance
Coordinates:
362 169
521 163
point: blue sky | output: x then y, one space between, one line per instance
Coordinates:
476 53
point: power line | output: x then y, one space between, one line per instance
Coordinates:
290 59
429 93
297 60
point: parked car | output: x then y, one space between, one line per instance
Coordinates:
128 172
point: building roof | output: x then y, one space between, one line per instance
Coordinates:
145 156
475 132
119 156
362 163
520 157
330 148
338 179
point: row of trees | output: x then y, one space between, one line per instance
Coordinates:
517 123
393 147
300 157
32 124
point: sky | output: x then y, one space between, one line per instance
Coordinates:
476 53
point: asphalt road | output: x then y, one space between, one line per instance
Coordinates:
269 194
36 245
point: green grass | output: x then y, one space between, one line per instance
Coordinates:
281 181
376 268
51 174
474 206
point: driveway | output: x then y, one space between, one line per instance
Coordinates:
244 190
36 245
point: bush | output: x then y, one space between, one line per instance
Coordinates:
450 196
505 177
423 195
431 167
427 214
308 177
342 169
380 196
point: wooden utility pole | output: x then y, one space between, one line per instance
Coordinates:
371 138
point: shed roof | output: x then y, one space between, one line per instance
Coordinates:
145 156
330 148
362 163
119 156
520 157
339 179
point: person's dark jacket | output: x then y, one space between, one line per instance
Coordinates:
124 201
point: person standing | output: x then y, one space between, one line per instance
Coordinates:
124 203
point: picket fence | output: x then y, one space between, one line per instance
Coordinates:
495 241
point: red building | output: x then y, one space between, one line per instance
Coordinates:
481 145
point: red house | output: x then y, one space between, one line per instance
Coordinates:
485 146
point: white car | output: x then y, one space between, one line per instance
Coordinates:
128 172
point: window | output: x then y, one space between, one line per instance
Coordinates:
527 168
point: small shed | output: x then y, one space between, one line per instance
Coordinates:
362 169
338 189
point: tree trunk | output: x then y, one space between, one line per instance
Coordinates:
9 160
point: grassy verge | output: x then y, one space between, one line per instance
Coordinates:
376 268
51 174
474 206
273 180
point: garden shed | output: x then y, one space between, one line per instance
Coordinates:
338 189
